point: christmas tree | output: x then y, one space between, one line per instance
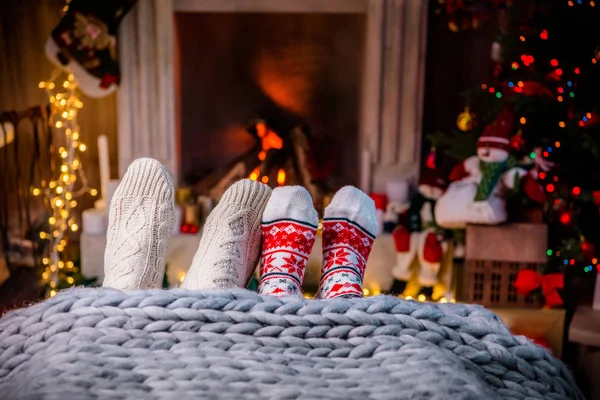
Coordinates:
546 68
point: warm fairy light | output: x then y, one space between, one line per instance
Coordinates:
522 38
366 292
443 300
254 174
556 144
71 182
281 177
262 155
181 278
421 298
523 120
265 179
561 124
559 98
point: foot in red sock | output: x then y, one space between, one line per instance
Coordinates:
288 229
349 229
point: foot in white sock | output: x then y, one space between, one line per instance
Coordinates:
289 227
231 239
141 218
349 229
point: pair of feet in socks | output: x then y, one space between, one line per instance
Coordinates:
141 223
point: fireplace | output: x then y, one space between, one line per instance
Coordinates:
290 70
349 73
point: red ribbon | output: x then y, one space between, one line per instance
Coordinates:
529 280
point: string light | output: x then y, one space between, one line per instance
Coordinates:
58 193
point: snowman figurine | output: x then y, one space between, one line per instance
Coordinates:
477 194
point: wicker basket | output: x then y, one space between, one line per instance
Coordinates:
494 257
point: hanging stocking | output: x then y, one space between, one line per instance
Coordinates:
406 247
431 252
84 44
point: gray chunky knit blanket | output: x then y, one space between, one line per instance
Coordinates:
178 344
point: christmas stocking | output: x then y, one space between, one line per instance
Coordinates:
84 44
431 252
406 248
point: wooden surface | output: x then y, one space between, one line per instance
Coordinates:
273 6
585 327
522 243
536 323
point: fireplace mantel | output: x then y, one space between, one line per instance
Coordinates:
392 87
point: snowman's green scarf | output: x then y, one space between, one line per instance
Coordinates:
491 172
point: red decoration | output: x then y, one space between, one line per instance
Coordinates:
432 251
596 196
430 163
380 200
189 228
533 189
565 218
544 35
401 239
535 89
529 280
517 141
588 250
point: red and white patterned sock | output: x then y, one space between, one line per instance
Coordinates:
288 230
349 229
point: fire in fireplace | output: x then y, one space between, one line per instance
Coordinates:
296 77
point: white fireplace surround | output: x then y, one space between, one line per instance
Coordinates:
392 90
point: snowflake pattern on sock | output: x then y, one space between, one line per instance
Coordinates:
286 247
346 248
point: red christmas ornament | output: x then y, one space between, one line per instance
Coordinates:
430 163
588 250
565 218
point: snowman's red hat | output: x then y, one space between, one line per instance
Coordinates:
496 135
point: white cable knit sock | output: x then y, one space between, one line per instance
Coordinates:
289 227
141 218
349 229
231 239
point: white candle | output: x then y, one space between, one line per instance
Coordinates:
365 171
597 294
7 134
104 164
